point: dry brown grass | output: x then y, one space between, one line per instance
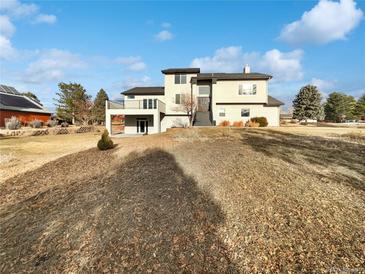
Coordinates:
252 124
20 154
220 200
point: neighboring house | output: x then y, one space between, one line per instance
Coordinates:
219 97
286 117
12 103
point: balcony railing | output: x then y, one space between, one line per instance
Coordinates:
138 104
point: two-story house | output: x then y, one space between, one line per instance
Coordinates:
218 96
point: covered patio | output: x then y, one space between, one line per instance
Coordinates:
140 117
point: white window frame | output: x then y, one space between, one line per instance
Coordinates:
247 89
245 110
206 94
180 76
175 99
222 112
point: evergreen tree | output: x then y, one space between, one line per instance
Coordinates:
307 103
321 115
339 107
70 97
360 107
99 106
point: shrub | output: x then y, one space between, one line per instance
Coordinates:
35 124
224 123
13 123
238 124
252 124
261 120
105 142
52 123
64 124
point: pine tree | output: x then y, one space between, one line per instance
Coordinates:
99 106
360 107
71 97
307 103
339 107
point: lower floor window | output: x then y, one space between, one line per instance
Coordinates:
222 112
178 99
245 112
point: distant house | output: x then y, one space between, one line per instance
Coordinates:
286 117
12 103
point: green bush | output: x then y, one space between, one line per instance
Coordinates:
105 142
13 123
261 120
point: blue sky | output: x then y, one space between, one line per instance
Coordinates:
116 45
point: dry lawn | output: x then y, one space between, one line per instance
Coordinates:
20 154
200 200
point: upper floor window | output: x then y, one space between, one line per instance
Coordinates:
247 89
204 90
130 96
180 78
149 103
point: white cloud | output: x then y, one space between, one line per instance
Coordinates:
52 65
284 66
166 25
327 21
7 51
17 9
13 9
128 83
132 63
7 28
45 18
164 36
131 82
323 85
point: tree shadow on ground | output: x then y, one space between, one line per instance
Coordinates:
312 151
146 215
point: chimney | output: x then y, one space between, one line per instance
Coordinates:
246 69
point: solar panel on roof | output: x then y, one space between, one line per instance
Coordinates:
12 100
13 90
9 90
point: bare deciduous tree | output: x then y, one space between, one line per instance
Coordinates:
83 111
188 105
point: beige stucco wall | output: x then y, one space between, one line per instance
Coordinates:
171 89
227 91
233 113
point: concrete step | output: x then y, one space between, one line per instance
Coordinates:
202 118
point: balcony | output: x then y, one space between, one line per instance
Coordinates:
145 104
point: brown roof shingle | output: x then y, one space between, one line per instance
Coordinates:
272 102
180 70
145 91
